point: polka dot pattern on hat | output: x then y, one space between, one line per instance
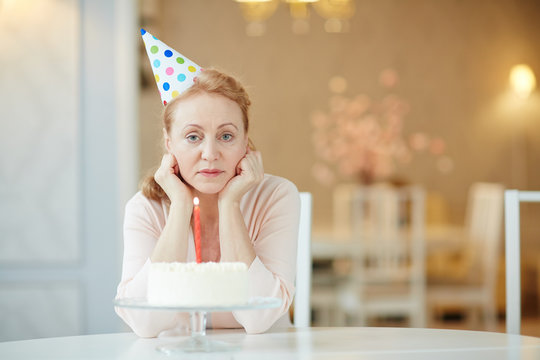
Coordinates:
173 72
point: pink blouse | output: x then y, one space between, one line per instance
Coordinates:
271 213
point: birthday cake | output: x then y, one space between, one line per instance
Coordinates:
197 284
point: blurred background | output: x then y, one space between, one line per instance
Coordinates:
406 103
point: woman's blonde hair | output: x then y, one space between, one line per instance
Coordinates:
209 81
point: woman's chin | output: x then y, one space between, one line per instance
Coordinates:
209 189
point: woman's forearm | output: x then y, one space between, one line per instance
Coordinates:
235 243
173 242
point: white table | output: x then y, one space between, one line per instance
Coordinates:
308 343
326 245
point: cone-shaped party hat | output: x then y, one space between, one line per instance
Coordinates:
174 73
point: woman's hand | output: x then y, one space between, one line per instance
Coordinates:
234 240
167 176
249 172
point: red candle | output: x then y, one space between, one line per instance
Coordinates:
197 225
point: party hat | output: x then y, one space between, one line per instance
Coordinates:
174 73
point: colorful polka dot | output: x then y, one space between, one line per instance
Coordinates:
173 72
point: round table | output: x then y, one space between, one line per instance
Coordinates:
301 343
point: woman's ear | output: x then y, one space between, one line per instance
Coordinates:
166 140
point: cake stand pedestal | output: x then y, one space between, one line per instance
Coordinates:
198 341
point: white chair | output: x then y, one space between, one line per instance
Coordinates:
302 308
512 199
387 277
325 285
325 279
475 291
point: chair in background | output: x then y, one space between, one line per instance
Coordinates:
326 283
326 278
475 289
512 199
302 308
387 279
342 208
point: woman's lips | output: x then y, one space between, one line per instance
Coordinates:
210 172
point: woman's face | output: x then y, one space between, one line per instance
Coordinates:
208 139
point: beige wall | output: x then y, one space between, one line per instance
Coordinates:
453 58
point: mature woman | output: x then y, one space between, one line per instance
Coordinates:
246 215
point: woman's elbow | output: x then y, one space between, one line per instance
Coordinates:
258 327
140 325
143 332
262 323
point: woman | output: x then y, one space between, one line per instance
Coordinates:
246 215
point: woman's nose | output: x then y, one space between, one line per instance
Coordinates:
210 150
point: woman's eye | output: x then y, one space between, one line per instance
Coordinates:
226 137
192 138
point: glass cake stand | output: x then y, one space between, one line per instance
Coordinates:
198 342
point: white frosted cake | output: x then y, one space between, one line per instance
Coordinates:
193 284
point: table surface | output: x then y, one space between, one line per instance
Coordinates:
301 343
326 244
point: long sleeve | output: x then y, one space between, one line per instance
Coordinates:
271 213
143 223
273 226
